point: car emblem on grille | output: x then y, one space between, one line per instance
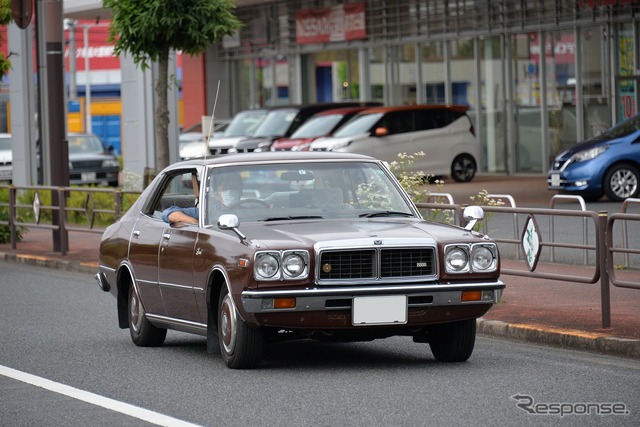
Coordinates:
326 268
421 264
377 242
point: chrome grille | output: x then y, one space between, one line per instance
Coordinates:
347 265
406 262
378 263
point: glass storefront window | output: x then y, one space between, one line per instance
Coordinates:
433 72
333 76
595 78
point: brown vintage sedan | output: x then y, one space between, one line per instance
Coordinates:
285 245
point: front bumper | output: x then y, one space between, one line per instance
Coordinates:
333 307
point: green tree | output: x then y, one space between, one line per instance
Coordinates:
148 30
5 18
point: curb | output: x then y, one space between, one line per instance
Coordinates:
88 267
565 338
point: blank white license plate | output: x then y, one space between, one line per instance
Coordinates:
88 176
555 180
382 310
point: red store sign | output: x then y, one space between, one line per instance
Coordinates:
336 24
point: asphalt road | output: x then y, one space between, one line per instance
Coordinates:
59 326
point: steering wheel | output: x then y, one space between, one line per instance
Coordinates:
248 202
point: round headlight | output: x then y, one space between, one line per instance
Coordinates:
266 266
457 260
293 265
482 258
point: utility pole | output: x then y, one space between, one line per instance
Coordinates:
52 120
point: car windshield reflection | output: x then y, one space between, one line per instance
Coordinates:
275 192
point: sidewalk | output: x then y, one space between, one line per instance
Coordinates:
551 312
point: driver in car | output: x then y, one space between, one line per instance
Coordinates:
228 189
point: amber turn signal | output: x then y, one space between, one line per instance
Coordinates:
284 303
471 296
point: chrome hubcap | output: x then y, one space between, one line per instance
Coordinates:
228 325
134 311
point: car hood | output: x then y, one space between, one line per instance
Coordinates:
597 141
327 143
73 157
225 142
255 142
347 232
189 150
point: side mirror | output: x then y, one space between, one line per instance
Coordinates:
230 222
472 214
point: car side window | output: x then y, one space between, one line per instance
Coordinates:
398 122
178 190
426 120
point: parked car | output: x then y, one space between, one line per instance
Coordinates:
320 124
6 157
443 132
242 126
91 162
608 163
282 122
326 246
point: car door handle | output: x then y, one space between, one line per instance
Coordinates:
136 233
166 236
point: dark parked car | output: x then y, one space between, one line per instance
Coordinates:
320 124
282 122
608 163
325 246
91 162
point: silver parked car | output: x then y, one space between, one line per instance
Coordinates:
6 156
91 162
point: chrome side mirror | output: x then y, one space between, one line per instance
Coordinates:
472 214
230 222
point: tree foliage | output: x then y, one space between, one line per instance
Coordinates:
5 18
149 30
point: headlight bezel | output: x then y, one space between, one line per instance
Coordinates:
590 154
471 252
282 259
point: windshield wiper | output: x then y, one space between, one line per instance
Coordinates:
285 218
384 213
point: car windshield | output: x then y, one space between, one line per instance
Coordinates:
5 143
85 144
303 190
623 129
276 123
244 123
359 124
318 126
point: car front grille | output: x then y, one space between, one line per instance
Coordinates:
376 263
87 164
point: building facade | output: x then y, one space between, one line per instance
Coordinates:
538 76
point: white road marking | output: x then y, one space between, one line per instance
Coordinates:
94 399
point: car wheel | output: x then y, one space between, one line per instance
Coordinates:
143 332
621 182
463 168
241 347
453 342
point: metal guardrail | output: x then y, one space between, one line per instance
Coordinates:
52 208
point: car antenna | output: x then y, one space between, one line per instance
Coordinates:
213 114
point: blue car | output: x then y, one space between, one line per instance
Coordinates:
605 164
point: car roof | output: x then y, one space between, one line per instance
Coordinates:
272 156
459 108
343 110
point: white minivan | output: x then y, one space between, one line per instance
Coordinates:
443 132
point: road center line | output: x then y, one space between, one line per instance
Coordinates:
94 399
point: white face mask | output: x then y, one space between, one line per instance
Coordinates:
230 197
